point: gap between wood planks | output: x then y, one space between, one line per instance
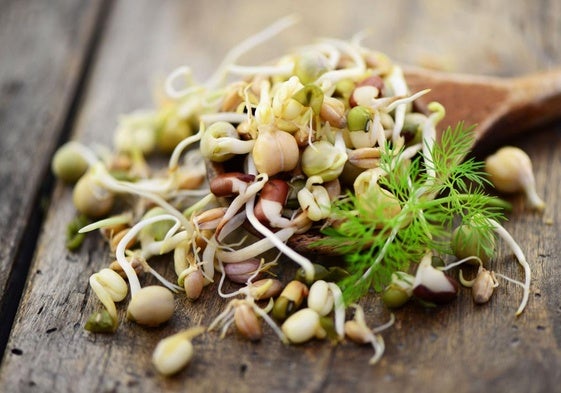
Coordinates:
19 272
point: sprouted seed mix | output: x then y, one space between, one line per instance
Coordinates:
328 140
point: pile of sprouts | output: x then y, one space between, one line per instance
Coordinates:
326 139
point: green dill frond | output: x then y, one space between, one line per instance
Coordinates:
376 243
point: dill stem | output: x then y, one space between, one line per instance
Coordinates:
403 216
493 202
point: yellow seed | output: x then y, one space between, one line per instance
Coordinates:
121 162
296 291
320 298
174 352
171 355
510 170
113 283
210 217
365 157
117 237
190 180
232 99
68 165
357 333
323 159
151 306
279 145
302 326
90 198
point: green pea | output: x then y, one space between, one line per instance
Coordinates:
358 118
310 95
157 230
394 296
100 322
74 238
320 272
171 133
68 164
468 241
91 198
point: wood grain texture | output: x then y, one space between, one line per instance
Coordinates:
43 50
460 347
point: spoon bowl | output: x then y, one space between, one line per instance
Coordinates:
501 108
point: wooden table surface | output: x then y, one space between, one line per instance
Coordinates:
69 68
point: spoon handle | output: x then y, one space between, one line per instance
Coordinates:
537 87
535 99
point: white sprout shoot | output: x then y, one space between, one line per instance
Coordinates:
230 117
208 259
163 246
335 76
276 70
199 205
245 46
429 139
385 326
186 73
333 55
304 262
121 186
372 336
399 87
339 307
226 317
509 279
121 248
398 100
258 247
244 290
109 288
230 226
503 233
460 262
119 219
244 195
181 146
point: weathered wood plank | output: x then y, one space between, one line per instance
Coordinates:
43 47
460 347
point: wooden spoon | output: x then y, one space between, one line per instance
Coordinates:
499 107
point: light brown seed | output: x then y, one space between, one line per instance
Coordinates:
357 332
265 288
483 286
333 111
247 323
117 237
193 284
135 264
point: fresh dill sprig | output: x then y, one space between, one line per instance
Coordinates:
433 190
